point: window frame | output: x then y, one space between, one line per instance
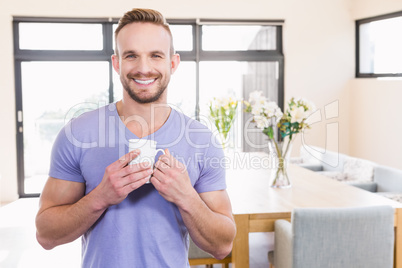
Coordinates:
21 55
196 55
358 74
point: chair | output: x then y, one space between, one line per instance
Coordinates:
335 238
387 182
197 256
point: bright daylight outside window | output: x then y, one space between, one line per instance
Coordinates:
379 43
63 68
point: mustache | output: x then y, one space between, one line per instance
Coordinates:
142 75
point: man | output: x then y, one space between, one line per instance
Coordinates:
92 191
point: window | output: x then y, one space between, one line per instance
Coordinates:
60 36
63 68
378 46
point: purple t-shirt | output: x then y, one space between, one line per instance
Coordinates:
144 230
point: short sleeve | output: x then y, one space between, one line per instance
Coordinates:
212 171
64 162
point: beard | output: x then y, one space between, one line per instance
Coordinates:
161 87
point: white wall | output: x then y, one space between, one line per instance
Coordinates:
375 131
318 47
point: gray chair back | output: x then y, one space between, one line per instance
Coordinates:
388 179
343 237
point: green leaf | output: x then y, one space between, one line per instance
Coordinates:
269 132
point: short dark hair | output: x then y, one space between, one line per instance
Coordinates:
144 15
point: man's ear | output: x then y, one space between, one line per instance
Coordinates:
116 63
174 63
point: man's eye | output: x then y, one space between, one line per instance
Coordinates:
156 56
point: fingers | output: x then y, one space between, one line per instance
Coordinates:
167 162
167 152
134 185
170 178
121 178
134 181
129 178
122 173
157 177
127 158
167 168
162 167
134 172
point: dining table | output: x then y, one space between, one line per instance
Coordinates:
256 205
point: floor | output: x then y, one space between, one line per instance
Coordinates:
19 249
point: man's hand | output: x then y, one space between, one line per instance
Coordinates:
120 178
66 212
171 179
207 216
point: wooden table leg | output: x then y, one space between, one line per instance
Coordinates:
398 238
240 252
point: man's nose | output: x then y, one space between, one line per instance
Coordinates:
144 66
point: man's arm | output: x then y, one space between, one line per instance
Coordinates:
66 213
207 216
210 222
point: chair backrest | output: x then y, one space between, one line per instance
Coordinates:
330 160
388 179
343 237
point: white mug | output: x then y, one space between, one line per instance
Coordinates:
148 151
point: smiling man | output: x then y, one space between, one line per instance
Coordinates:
148 65
92 191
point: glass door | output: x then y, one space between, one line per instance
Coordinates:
237 79
53 93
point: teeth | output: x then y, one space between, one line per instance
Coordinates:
144 82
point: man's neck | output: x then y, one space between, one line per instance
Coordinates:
143 119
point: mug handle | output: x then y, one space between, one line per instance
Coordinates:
160 150
157 150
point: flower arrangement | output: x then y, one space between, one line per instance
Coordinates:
222 112
267 115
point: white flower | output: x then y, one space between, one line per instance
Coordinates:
278 115
224 102
256 110
298 114
267 114
261 121
255 96
270 108
310 107
220 102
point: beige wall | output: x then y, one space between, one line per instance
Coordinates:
318 47
376 113
375 130
369 8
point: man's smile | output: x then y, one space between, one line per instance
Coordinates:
145 82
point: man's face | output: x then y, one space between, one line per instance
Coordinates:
144 62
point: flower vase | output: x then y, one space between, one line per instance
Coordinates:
280 154
226 142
